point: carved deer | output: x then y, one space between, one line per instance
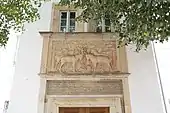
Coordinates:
95 59
70 59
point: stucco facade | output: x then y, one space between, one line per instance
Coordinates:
140 89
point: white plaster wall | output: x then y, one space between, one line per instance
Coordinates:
143 82
25 87
163 56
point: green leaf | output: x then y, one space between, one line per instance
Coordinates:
14 14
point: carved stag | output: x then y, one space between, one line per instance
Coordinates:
96 59
70 59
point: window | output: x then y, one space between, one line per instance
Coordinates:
63 21
67 21
104 25
107 24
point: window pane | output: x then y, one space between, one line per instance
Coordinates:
108 29
107 22
63 22
107 16
99 26
72 28
99 29
72 15
63 15
72 22
63 28
99 23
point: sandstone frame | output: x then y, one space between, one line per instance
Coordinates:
51 103
49 37
55 18
112 102
44 104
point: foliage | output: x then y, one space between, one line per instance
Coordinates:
13 15
135 21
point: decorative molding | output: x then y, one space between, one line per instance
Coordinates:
79 102
84 87
114 103
82 96
54 76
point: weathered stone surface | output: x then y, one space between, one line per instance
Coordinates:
82 56
84 87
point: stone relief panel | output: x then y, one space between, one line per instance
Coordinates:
82 56
84 87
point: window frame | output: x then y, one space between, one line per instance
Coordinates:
67 20
103 26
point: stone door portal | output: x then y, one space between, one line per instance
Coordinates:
83 109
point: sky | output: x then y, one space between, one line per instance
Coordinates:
7 58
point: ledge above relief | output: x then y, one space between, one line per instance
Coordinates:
79 35
83 77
